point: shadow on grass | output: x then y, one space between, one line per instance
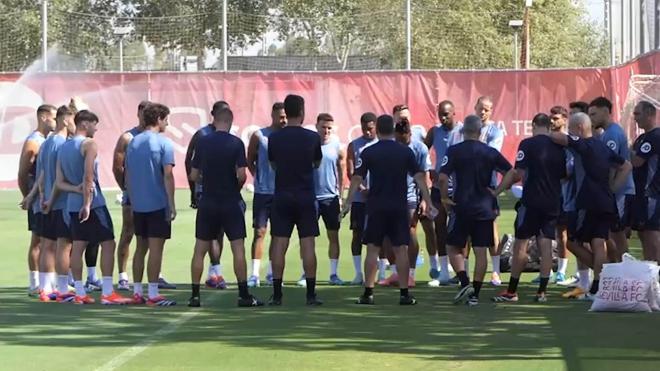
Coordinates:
434 330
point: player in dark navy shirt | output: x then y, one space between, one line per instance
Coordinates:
594 164
541 165
646 162
294 152
388 164
220 164
473 208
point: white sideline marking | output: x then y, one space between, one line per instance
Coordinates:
132 352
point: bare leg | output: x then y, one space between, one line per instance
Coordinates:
139 259
197 263
403 266
125 238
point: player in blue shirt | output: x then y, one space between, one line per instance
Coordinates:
594 163
358 209
294 152
127 229
541 165
220 164
493 136
473 206
388 163
86 214
27 167
416 207
447 133
646 162
600 111
53 223
150 184
214 280
329 183
264 187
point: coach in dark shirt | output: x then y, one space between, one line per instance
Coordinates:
473 208
541 165
294 152
220 157
388 164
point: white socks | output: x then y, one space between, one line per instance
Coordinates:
137 288
357 264
562 265
153 290
333 266
256 266
34 279
47 282
63 284
107 286
42 281
80 288
433 260
496 263
444 264
123 276
585 281
215 270
91 274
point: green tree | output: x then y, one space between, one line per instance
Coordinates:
20 34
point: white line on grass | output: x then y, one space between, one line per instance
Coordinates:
132 352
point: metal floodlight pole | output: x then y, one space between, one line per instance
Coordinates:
408 35
44 34
515 24
610 30
224 35
121 32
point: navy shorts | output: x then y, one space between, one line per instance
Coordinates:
227 217
535 223
98 228
294 209
35 222
358 216
153 224
623 207
394 224
461 228
61 226
570 218
645 214
48 226
261 205
592 224
328 209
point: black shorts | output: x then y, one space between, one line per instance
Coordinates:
645 212
61 226
460 229
358 216
98 228
624 219
328 209
228 217
571 219
436 197
394 224
291 210
535 223
261 205
153 224
35 222
48 230
592 224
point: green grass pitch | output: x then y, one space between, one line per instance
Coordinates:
435 334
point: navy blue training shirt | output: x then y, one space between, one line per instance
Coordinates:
217 157
544 163
388 163
647 176
471 165
593 161
294 152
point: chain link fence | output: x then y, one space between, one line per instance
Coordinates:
366 35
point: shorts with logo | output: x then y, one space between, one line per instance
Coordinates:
153 224
328 210
223 217
98 227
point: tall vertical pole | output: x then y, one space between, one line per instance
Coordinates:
44 34
408 35
609 23
656 14
121 53
624 44
515 50
224 35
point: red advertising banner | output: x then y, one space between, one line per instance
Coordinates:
518 95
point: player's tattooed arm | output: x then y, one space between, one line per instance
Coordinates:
28 156
118 161
443 183
252 154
